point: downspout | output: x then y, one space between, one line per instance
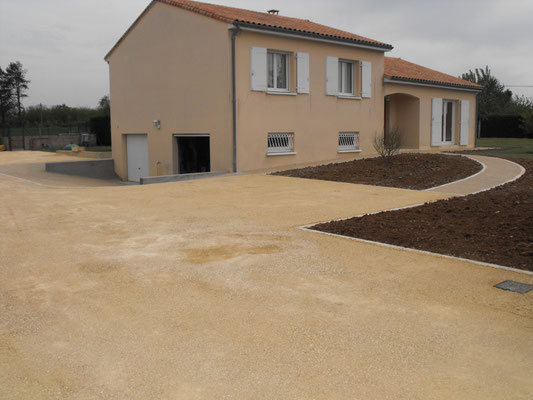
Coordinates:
235 33
478 122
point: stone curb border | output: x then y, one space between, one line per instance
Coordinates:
392 246
516 177
484 167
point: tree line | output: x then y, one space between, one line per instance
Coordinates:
14 86
499 109
61 115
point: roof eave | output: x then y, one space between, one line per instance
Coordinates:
307 34
423 82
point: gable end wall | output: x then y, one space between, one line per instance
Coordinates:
173 66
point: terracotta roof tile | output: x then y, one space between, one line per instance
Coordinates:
398 69
266 20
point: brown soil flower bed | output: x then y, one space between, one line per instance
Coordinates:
408 171
494 226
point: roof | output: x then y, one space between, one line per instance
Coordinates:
397 69
268 21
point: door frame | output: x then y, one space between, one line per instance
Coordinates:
175 155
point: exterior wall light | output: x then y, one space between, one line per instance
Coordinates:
157 123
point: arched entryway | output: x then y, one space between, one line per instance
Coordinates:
402 113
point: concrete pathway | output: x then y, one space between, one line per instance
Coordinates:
495 172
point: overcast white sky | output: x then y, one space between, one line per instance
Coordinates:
62 42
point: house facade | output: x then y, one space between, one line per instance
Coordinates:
204 88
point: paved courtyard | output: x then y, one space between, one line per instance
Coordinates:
208 290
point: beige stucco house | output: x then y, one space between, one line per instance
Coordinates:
198 87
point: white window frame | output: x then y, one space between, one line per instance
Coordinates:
349 142
342 75
280 143
274 71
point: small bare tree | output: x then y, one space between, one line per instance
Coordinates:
389 144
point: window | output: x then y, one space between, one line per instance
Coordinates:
346 78
280 143
278 71
348 142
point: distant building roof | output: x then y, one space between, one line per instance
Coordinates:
397 69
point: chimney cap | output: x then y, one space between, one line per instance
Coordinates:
273 11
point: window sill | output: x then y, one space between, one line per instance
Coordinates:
348 151
288 153
341 96
281 93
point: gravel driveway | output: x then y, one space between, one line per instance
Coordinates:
207 290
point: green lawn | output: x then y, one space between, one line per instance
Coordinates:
510 148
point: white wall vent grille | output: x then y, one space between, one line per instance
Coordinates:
280 143
348 141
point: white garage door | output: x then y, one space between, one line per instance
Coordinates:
137 155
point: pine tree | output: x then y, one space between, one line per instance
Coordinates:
6 96
17 75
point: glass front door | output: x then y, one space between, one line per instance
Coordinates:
448 122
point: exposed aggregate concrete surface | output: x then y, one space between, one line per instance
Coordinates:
208 290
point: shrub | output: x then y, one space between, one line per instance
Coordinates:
389 144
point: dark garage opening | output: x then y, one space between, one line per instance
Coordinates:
193 154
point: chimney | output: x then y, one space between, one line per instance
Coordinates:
273 12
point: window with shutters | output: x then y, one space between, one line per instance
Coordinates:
348 142
277 71
346 78
280 143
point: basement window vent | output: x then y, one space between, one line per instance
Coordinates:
513 286
280 143
348 142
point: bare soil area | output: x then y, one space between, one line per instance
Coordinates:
494 226
407 171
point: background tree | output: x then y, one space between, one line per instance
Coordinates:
500 111
101 125
494 99
17 75
6 96
525 108
104 105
